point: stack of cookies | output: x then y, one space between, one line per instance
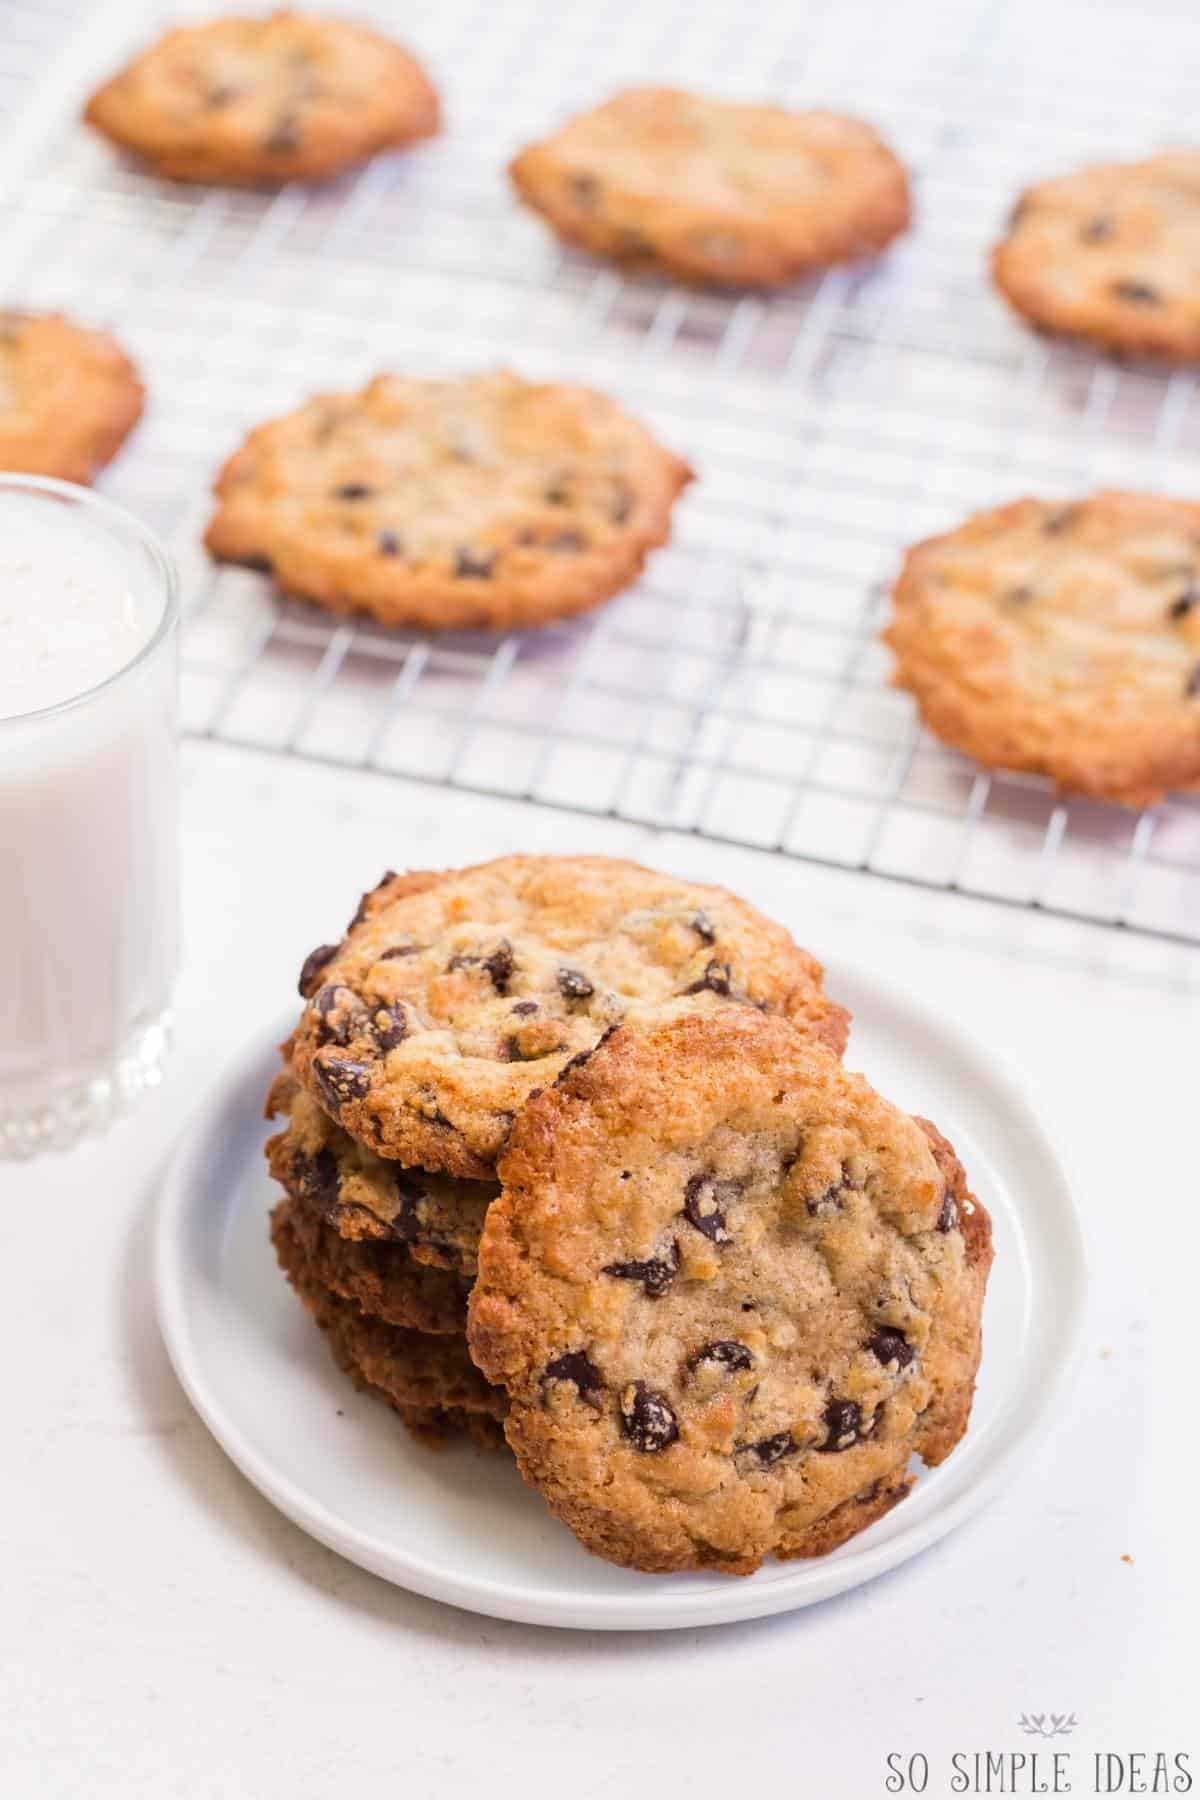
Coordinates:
571 1162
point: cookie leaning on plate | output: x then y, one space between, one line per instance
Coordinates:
1061 640
455 995
714 191
730 1292
1111 254
69 397
487 501
290 97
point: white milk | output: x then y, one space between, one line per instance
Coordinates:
88 908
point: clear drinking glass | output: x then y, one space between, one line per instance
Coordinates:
88 811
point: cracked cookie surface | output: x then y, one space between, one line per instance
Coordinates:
487 501
289 97
1061 640
730 1291
455 995
1111 254
69 397
714 191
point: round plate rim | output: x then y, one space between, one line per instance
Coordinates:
800 1583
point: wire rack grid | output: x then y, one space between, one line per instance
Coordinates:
738 690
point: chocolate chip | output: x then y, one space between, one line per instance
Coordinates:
656 1273
725 1351
474 564
317 1176
647 1419
585 191
524 1009
621 505
891 1347
716 979
285 136
353 490
500 966
833 1199
340 1014
1061 519
948 1217
399 950
573 985
340 1079
314 963
1180 608
704 928
634 246
575 1366
406 1223
1191 686
771 1450
1138 293
389 1024
361 910
843 1420
557 493
704 1202
388 544
568 542
582 1056
1098 230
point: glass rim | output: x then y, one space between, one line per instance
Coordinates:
12 481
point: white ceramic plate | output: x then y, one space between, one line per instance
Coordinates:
458 1524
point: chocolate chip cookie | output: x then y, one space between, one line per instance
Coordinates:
730 1292
400 1242
487 501
293 97
69 397
1061 640
455 996
716 192
1111 254
430 1380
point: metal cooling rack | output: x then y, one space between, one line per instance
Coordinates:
738 690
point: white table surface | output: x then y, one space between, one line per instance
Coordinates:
164 1633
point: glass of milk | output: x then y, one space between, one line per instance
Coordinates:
88 811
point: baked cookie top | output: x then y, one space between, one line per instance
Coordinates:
1111 254
730 1291
289 97
454 996
434 1220
1062 640
69 397
485 501
715 191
